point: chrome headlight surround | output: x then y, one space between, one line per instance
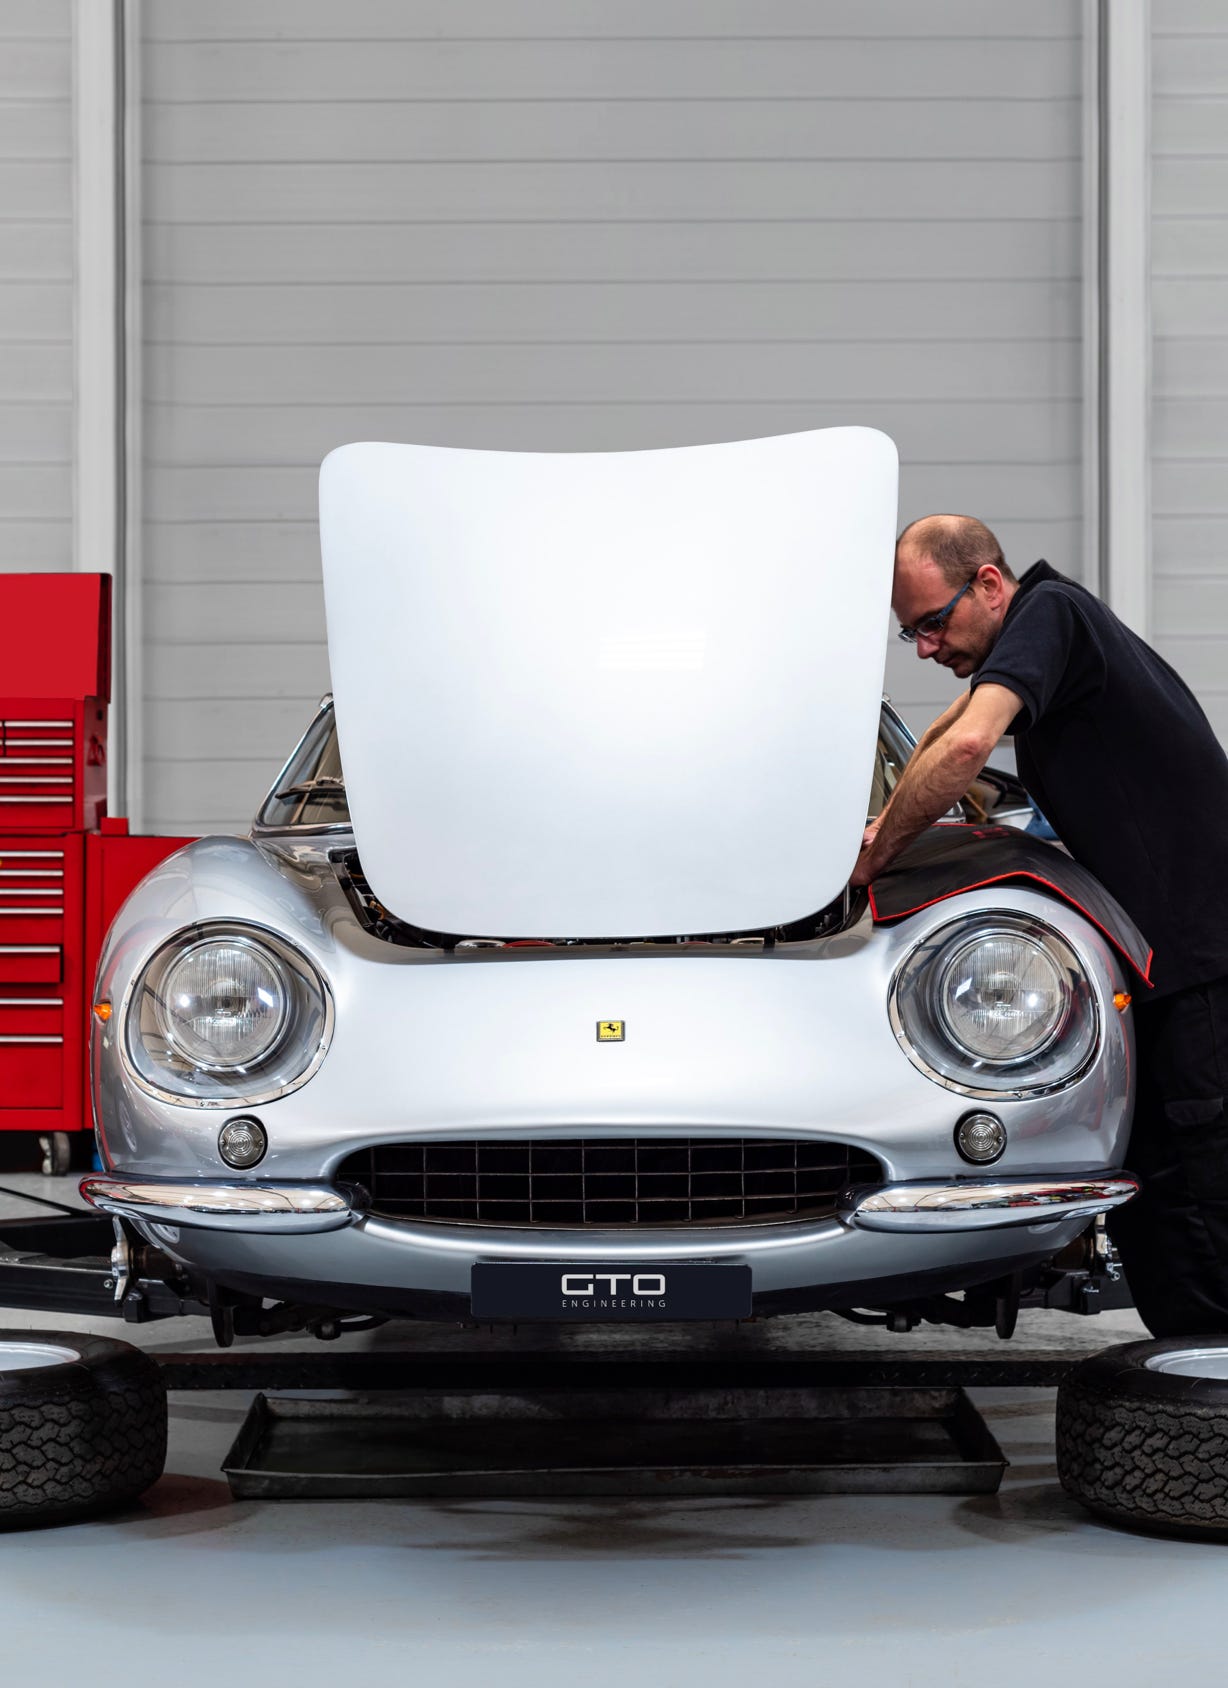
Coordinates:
164 1067
1062 1049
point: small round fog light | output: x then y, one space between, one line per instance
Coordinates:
241 1142
980 1138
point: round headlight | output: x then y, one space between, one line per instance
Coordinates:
996 1003
226 1014
1002 998
223 1003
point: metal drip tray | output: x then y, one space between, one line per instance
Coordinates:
626 1441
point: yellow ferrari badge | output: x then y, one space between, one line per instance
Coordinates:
611 1031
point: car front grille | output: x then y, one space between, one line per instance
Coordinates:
609 1181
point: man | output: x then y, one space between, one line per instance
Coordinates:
1118 755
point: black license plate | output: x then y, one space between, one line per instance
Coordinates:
610 1292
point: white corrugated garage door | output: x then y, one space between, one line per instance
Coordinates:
1190 325
570 225
36 301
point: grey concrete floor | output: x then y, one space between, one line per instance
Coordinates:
1021 1587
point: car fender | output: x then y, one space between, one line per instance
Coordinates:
952 858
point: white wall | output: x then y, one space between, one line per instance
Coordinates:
36 277
1189 288
569 224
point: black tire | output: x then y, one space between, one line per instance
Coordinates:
80 1431
1145 1447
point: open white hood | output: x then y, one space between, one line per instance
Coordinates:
617 694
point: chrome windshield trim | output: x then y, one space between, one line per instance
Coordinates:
970 1205
286 1209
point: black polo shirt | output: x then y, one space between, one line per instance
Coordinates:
1115 749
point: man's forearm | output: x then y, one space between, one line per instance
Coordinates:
934 779
939 773
929 738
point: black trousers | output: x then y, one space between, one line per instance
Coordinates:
1173 1236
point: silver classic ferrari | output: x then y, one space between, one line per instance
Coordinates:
537 991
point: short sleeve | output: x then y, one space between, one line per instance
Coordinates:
1037 655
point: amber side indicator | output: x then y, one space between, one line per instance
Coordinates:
103 1010
1122 1001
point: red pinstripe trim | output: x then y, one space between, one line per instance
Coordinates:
1144 973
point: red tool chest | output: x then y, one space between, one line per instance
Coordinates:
64 867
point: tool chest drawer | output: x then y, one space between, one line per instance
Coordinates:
42 985
37 884
31 964
52 763
32 1049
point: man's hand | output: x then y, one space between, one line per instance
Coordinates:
861 874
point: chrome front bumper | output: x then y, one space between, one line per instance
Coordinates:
969 1205
282 1209
294 1209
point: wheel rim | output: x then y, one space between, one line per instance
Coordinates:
1192 1362
33 1356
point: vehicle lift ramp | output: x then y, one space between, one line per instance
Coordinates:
701 1410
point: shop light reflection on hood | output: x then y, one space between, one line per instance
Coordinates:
682 651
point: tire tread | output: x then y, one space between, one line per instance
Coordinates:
82 1439
1140 1461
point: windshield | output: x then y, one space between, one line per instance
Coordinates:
310 792
895 745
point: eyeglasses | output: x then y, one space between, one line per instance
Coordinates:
930 626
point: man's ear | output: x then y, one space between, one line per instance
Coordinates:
992 584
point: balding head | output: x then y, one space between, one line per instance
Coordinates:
937 557
959 545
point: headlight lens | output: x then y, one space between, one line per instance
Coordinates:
225 1013
223 1004
996 1004
1001 998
